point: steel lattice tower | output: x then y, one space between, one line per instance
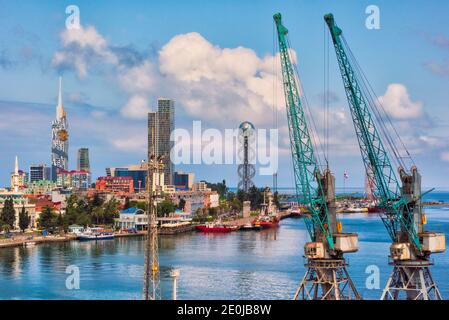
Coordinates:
246 169
151 287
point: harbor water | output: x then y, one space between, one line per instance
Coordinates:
265 264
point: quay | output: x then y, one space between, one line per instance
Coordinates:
22 240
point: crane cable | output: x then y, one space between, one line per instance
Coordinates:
379 112
317 145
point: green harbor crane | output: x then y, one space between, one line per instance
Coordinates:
326 276
399 204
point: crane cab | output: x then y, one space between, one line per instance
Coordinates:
432 242
346 242
401 251
314 250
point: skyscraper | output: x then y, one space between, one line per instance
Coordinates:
59 141
83 159
161 123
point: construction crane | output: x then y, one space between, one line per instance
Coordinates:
326 276
399 204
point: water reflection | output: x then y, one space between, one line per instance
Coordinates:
266 264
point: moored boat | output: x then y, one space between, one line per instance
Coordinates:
95 234
265 222
215 228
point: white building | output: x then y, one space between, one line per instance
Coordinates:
132 218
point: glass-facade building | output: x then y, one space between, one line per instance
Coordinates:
161 124
139 177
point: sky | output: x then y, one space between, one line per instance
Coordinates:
217 60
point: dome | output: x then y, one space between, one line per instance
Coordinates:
244 126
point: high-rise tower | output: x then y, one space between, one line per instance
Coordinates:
59 141
83 159
163 122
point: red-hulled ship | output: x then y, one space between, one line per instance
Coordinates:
265 222
215 228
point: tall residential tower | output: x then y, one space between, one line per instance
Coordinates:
59 141
161 123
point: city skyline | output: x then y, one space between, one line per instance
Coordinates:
141 67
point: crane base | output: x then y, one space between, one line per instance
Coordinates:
326 279
411 280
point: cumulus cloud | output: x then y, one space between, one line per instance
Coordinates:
397 103
219 85
82 47
136 108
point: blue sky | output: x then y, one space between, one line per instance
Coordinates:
136 52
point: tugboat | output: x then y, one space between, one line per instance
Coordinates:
268 217
215 228
265 222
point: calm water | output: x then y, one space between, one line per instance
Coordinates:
241 265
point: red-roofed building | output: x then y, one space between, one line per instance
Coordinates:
115 184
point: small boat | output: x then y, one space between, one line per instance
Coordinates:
215 228
249 227
29 244
265 222
95 234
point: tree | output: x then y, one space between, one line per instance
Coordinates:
127 203
220 187
8 215
24 219
47 219
139 204
96 200
110 211
181 204
165 207
255 195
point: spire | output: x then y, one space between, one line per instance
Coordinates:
16 176
60 112
16 166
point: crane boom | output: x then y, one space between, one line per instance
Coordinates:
305 167
398 216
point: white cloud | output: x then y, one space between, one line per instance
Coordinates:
136 108
398 104
81 48
136 143
221 85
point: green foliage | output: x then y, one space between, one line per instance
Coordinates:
24 219
220 187
95 211
127 203
181 204
47 219
165 207
139 204
8 214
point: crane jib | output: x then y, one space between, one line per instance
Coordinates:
305 164
374 154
